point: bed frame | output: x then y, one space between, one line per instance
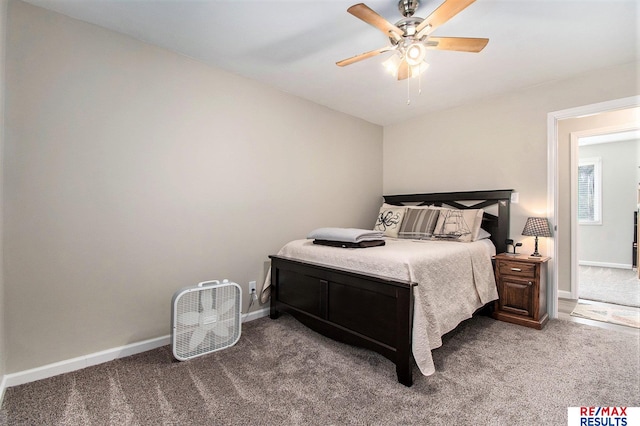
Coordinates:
366 310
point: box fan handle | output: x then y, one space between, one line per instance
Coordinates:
212 282
206 283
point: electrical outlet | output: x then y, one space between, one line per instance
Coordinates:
252 287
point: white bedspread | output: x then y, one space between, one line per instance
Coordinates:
454 279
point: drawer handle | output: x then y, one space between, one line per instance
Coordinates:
516 269
530 283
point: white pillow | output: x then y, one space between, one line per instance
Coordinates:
389 220
465 223
482 235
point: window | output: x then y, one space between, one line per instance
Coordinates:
590 191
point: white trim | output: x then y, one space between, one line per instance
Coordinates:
96 358
552 202
255 315
573 208
605 264
81 362
552 178
563 294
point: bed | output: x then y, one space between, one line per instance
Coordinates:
400 298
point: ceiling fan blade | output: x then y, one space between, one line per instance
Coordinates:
403 70
368 15
442 14
460 44
362 56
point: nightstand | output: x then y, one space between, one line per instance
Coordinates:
522 290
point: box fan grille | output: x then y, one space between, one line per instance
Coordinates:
205 318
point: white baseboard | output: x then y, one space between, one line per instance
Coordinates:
67 366
255 315
605 264
563 294
73 364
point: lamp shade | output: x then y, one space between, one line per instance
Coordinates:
537 227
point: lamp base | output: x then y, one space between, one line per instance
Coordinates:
535 250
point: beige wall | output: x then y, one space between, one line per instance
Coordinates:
565 129
132 171
499 143
3 352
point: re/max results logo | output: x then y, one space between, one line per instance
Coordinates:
603 416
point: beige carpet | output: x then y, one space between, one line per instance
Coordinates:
609 285
614 314
280 373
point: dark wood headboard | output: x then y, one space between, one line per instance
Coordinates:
496 225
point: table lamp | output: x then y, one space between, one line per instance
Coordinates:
537 227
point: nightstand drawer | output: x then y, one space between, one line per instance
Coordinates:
517 269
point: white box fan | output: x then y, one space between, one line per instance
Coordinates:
205 318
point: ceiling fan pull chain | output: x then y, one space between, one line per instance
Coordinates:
408 91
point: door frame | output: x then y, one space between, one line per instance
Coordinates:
552 181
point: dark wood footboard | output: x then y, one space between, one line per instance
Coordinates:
363 310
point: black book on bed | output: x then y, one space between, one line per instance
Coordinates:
345 244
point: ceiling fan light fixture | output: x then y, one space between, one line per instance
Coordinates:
415 54
392 64
416 70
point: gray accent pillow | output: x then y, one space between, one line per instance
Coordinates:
419 223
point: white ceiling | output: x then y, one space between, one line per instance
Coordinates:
293 45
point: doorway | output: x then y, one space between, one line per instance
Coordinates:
604 183
561 267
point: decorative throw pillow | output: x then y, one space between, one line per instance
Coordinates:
418 223
477 226
459 225
389 220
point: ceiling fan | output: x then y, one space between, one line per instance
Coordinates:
411 36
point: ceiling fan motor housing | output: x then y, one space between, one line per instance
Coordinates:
408 26
408 7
